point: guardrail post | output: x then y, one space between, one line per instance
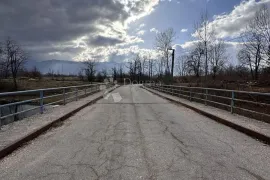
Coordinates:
41 102
190 93
232 102
76 94
64 96
0 115
206 97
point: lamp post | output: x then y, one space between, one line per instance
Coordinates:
173 52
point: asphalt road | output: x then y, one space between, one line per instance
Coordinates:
140 137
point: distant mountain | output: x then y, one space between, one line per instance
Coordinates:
64 66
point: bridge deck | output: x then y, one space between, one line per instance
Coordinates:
140 137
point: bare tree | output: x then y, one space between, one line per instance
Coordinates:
130 68
114 73
205 33
181 65
80 75
104 74
251 54
261 25
158 66
194 60
5 60
90 69
144 63
137 67
150 66
121 73
217 57
14 58
164 42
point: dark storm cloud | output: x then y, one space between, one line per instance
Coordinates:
57 20
53 26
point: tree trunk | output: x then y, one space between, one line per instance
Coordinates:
15 84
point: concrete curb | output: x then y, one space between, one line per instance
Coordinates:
20 142
250 132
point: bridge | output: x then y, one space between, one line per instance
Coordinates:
146 131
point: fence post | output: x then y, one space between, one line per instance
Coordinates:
41 102
64 96
232 102
206 97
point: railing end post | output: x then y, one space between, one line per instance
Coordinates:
64 96
232 102
0 116
206 96
190 94
76 94
41 102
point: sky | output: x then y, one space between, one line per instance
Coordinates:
116 30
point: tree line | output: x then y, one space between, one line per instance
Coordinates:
210 56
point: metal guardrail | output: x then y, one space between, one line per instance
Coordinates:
246 103
54 96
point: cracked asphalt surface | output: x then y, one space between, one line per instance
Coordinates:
141 137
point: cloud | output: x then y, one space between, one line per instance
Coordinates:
141 25
117 54
232 49
104 41
232 24
154 30
71 24
184 30
140 33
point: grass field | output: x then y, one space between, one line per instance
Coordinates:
6 85
46 82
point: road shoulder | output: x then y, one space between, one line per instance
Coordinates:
14 135
253 128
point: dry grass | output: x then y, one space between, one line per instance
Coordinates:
6 85
240 85
46 82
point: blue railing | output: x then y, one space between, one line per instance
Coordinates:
40 98
247 103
